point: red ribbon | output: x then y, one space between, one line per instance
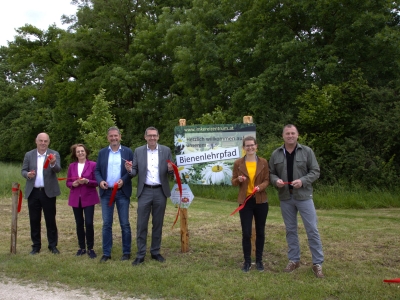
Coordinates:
178 181
245 200
19 197
395 280
114 192
66 178
287 182
47 162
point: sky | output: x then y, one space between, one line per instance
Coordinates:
40 13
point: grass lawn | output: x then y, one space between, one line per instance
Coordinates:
361 249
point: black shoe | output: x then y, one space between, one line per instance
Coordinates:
246 267
80 252
54 250
126 257
104 258
91 254
158 257
137 261
260 266
34 251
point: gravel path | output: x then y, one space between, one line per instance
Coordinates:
14 290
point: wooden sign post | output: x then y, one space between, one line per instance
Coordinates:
184 217
184 231
14 217
249 120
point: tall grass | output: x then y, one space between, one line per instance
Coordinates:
11 172
325 197
336 196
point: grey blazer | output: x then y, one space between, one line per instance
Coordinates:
51 186
139 167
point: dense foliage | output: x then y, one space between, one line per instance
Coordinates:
331 67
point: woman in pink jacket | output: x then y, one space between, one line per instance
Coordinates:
83 197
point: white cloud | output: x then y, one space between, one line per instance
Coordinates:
39 13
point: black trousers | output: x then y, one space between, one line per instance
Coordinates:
38 202
84 218
260 212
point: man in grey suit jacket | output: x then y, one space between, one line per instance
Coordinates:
151 166
41 190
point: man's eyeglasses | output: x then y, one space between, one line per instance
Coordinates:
249 146
152 135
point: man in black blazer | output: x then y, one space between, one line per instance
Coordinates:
41 191
151 166
111 174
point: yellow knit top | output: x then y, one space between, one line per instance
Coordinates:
251 167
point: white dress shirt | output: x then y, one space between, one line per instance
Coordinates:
153 176
39 181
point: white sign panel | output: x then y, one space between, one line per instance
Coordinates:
187 195
207 156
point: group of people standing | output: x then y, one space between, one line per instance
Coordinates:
292 168
116 166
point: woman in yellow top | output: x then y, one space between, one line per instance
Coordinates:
251 173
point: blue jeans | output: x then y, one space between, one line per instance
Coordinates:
122 203
289 209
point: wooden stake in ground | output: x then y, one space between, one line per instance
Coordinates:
184 217
249 120
14 217
184 231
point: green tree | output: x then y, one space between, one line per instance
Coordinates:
216 117
351 127
9 110
94 128
33 67
199 66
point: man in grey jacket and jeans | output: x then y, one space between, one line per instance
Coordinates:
293 168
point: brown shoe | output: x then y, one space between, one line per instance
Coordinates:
317 269
291 266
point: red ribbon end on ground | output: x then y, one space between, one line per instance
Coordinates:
395 280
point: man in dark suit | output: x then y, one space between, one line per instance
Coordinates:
150 164
111 174
40 168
